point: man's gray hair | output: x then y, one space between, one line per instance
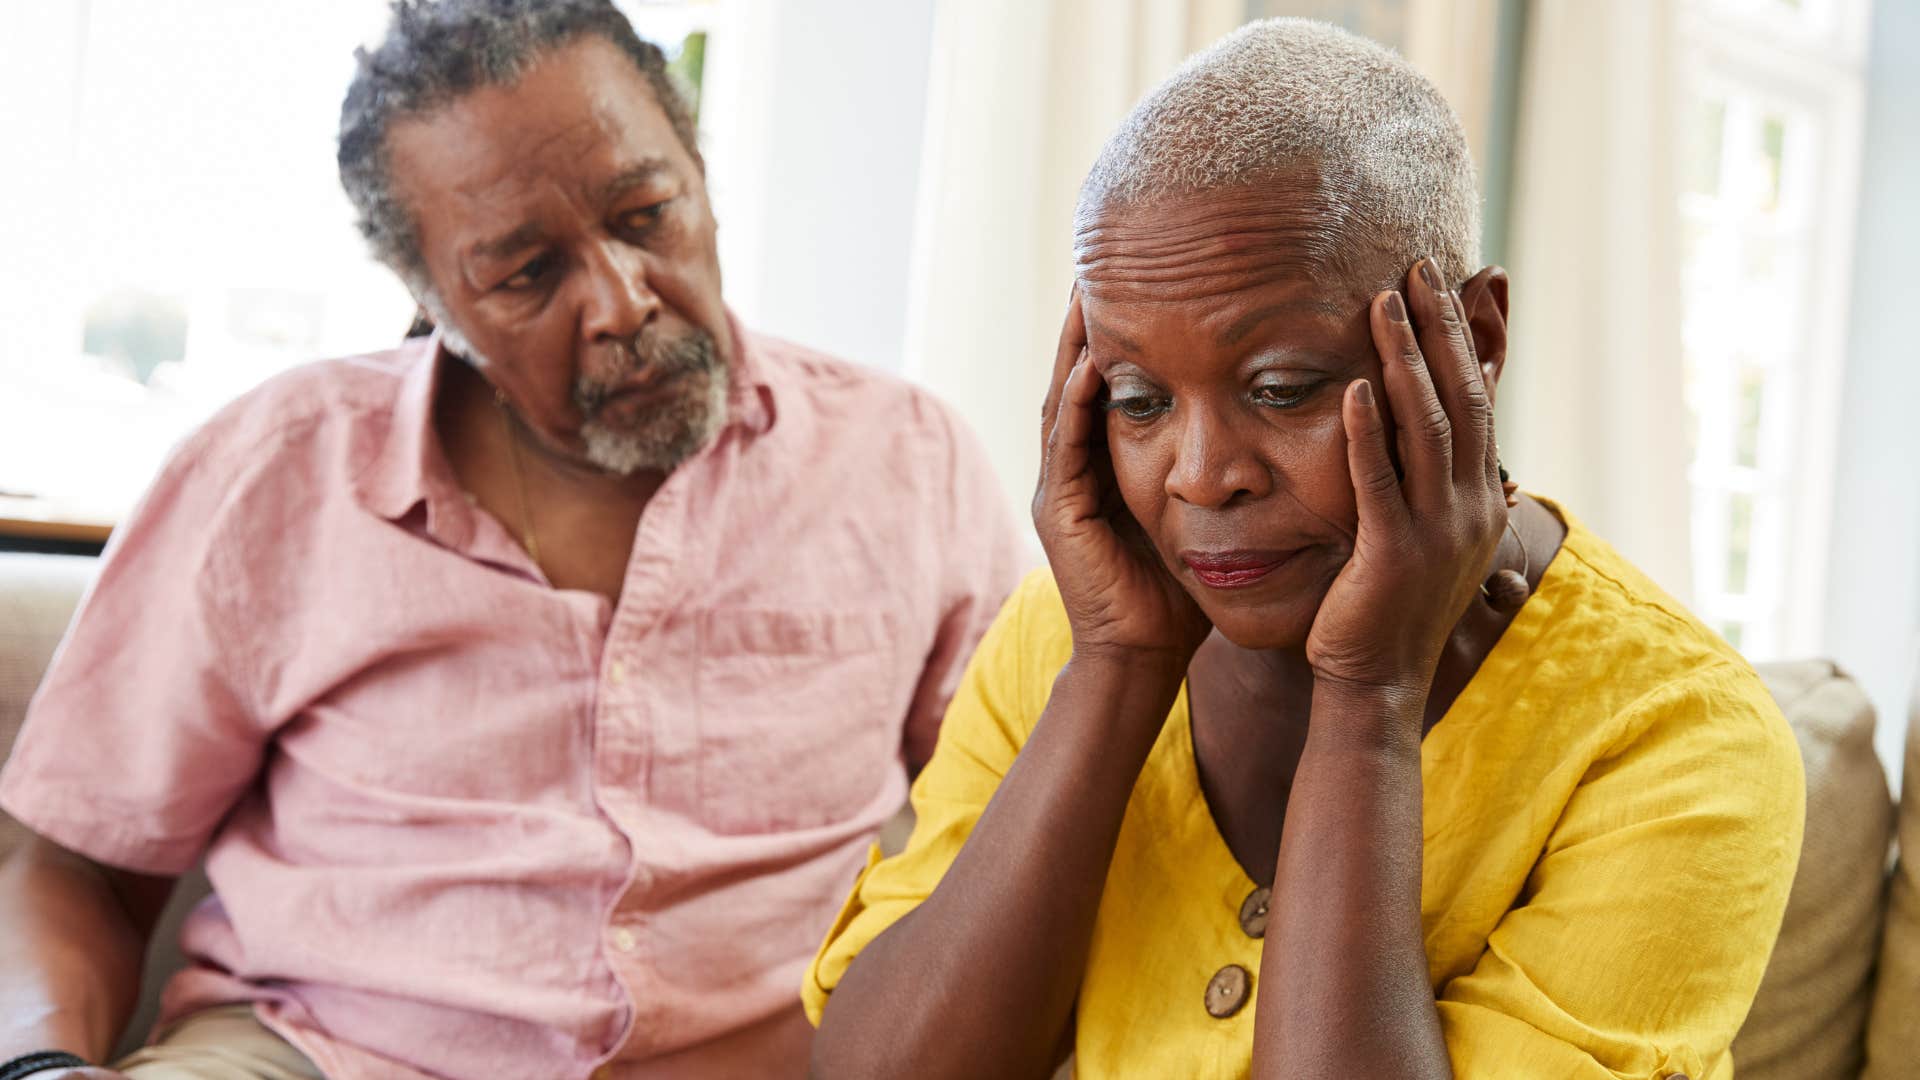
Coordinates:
1280 95
436 51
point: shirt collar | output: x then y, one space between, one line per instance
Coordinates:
751 400
412 469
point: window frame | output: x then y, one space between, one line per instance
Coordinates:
1815 68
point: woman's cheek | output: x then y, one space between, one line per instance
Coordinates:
1329 478
1139 472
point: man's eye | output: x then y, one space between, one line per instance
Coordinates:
529 275
1282 397
1138 406
642 219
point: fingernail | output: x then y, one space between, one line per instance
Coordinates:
1429 275
1396 309
1364 394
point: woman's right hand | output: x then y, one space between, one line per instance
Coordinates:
1120 599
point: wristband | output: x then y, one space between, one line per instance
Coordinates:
39 1061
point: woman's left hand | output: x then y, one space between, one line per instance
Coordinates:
1425 539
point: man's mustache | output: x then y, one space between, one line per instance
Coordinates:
664 358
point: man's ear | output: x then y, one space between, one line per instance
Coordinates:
1484 295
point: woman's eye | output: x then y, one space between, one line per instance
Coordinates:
1138 406
1282 397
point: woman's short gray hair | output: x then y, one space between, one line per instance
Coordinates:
1280 95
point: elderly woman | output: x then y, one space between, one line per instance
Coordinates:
1316 753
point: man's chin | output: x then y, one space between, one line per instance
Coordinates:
624 453
655 431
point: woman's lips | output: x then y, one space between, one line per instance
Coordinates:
1233 569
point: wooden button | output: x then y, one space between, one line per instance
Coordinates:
1253 912
1227 991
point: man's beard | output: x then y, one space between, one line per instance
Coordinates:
666 435
674 429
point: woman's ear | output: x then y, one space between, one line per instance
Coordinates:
1484 295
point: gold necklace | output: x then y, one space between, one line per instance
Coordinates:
529 539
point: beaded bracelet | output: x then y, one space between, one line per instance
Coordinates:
39 1061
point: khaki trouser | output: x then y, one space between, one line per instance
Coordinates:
224 1043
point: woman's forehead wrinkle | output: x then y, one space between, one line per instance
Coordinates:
1211 242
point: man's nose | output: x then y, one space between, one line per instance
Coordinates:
1212 466
619 303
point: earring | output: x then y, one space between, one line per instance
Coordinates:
1507 590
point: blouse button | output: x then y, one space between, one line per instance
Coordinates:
1227 991
1253 912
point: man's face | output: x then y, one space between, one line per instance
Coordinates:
566 233
1226 341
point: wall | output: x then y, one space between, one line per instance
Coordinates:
1873 610
834 93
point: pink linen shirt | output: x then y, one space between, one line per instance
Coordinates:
461 823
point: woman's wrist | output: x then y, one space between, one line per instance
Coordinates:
1121 695
1132 666
1382 716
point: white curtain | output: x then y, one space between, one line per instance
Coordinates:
1592 409
1453 43
1021 95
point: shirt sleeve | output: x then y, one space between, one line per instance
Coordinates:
140 736
983 555
987 723
1639 941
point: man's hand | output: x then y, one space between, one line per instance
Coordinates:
73 933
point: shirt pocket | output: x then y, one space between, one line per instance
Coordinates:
799 716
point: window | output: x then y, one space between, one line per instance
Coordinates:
187 236
1769 163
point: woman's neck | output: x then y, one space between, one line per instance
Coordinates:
1250 709
1281 680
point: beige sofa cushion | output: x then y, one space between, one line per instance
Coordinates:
1810 1015
37 597
1893 1033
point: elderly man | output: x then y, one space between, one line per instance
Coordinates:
532 691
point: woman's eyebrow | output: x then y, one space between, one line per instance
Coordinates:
1126 343
1237 331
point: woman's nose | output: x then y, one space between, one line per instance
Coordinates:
1213 466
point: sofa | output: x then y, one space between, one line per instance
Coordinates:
1841 997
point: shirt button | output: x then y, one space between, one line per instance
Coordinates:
1253 912
617 673
624 940
1227 991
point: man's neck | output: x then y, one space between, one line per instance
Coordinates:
576 521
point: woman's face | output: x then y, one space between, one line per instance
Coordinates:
1226 344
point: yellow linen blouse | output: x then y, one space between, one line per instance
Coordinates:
1612 809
